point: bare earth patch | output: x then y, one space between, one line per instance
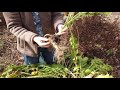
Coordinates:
8 52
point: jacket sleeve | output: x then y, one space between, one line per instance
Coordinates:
14 24
25 42
57 18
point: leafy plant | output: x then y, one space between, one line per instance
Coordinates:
72 16
33 71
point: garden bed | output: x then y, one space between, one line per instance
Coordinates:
98 37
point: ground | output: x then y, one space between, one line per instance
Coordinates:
8 51
106 47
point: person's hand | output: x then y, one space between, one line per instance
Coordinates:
61 30
42 41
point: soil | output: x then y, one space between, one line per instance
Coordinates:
8 51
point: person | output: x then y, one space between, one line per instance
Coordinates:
30 28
